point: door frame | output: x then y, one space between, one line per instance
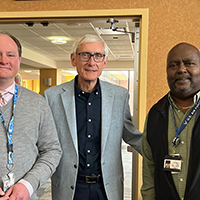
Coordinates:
60 16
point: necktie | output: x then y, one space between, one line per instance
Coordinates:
3 102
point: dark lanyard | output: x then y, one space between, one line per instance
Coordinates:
9 130
176 139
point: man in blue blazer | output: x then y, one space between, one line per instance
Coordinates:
92 117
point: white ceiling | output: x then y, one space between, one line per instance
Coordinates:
34 38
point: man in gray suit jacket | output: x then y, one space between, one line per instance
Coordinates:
92 117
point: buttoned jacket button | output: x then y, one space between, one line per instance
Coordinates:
72 187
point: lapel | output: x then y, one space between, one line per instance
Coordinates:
68 100
107 97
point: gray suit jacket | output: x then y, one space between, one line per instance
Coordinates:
116 124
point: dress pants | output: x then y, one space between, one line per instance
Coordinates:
89 191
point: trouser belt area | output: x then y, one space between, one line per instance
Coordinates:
90 179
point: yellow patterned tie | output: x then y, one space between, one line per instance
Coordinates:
3 102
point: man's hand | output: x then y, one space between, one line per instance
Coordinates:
2 197
17 191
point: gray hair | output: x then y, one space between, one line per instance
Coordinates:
87 39
18 76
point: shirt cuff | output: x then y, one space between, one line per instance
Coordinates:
27 185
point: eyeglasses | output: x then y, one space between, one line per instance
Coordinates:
86 56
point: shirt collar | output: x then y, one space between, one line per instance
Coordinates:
196 97
11 89
78 90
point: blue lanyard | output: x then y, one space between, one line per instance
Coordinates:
185 122
10 130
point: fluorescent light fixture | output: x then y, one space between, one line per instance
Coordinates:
27 71
71 25
58 39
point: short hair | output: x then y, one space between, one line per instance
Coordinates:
18 76
19 46
87 39
186 44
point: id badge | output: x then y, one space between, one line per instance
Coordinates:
8 180
172 163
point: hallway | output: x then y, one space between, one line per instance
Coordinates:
44 192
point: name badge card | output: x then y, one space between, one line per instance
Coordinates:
8 180
172 163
